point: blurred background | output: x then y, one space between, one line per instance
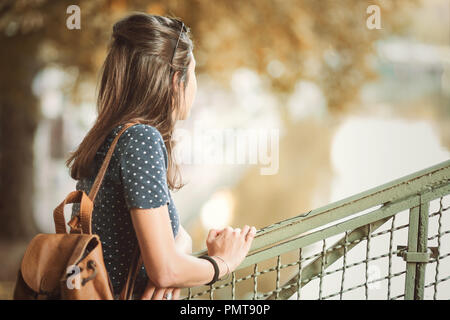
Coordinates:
359 92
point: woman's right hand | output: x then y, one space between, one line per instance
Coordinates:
232 245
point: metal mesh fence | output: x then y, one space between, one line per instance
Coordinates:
366 256
437 277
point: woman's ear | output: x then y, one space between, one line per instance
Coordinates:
175 79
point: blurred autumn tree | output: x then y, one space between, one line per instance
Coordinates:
227 34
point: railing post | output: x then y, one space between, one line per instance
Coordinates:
422 242
410 281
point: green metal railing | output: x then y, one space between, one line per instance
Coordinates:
383 243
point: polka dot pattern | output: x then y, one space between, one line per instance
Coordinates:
136 178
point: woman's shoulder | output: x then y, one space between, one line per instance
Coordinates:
137 129
144 141
140 133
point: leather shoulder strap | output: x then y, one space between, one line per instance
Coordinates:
128 287
85 219
86 216
104 167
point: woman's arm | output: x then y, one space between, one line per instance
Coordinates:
169 267
183 241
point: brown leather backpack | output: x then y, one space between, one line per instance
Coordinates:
70 265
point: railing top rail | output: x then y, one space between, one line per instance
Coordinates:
406 186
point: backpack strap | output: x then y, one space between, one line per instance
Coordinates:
85 215
136 261
128 287
85 219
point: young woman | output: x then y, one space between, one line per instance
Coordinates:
148 76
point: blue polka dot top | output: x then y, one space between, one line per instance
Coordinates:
136 178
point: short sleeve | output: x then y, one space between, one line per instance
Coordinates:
143 167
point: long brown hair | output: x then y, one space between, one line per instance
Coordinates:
136 85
